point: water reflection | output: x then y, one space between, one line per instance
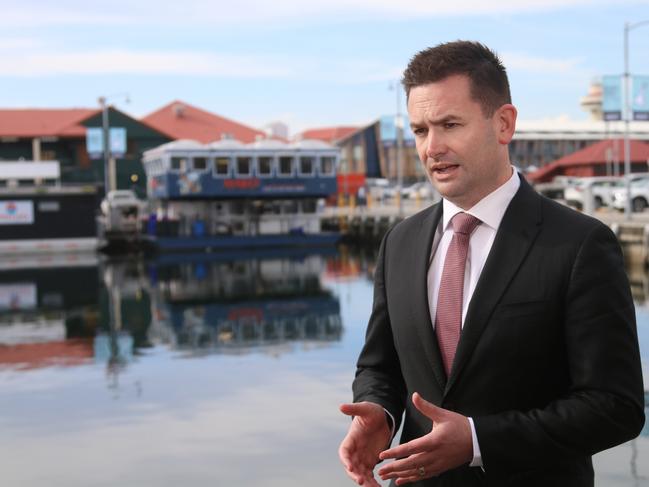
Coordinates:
204 364
244 304
112 311
46 320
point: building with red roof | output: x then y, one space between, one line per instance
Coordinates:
331 135
180 120
37 123
60 135
598 159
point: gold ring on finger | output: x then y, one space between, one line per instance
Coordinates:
421 471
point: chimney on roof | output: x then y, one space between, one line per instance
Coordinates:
179 110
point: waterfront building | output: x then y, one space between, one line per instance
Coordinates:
60 135
371 151
603 158
539 143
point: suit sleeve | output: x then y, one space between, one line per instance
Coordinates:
378 374
604 405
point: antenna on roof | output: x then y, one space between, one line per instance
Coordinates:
178 109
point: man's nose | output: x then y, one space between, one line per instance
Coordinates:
435 145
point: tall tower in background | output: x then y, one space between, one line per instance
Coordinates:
592 102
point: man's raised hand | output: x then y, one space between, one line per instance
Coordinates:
447 446
368 435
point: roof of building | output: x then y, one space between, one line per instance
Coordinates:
180 120
564 128
30 122
327 134
598 153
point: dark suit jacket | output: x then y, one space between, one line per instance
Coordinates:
547 365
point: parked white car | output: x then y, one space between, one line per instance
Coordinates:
639 186
601 189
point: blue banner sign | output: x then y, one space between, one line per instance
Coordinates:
612 97
95 142
640 98
117 141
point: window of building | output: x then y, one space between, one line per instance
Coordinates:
199 163
307 165
357 154
222 166
244 166
286 165
327 165
48 155
265 166
179 164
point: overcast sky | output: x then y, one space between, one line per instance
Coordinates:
307 63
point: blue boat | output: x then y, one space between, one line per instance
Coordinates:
228 195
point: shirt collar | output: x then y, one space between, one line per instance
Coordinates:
490 209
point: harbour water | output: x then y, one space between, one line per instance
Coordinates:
211 370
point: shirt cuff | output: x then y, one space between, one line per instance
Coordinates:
391 421
477 457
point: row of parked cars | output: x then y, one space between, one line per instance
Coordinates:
383 190
605 191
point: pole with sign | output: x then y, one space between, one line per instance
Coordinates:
628 26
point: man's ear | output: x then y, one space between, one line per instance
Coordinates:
505 121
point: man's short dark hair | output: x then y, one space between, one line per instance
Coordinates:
486 73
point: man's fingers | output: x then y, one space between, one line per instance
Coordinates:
360 409
427 409
406 464
418 445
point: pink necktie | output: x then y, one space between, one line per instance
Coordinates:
448 316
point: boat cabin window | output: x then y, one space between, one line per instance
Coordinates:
307 165
327 165
244 166
286 166
264 166
179 164
199 163
289 207
222 166
309 206
238 207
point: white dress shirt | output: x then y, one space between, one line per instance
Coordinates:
490 211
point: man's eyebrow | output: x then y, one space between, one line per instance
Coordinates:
438 121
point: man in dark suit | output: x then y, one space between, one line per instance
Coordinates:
502 322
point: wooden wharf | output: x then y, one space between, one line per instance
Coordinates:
368 224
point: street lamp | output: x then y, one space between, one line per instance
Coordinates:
628 26
106 138
398 125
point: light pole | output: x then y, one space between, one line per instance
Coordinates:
628 26
398 122
105 125
398 126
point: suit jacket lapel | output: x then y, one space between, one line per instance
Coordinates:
518 229
419 291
